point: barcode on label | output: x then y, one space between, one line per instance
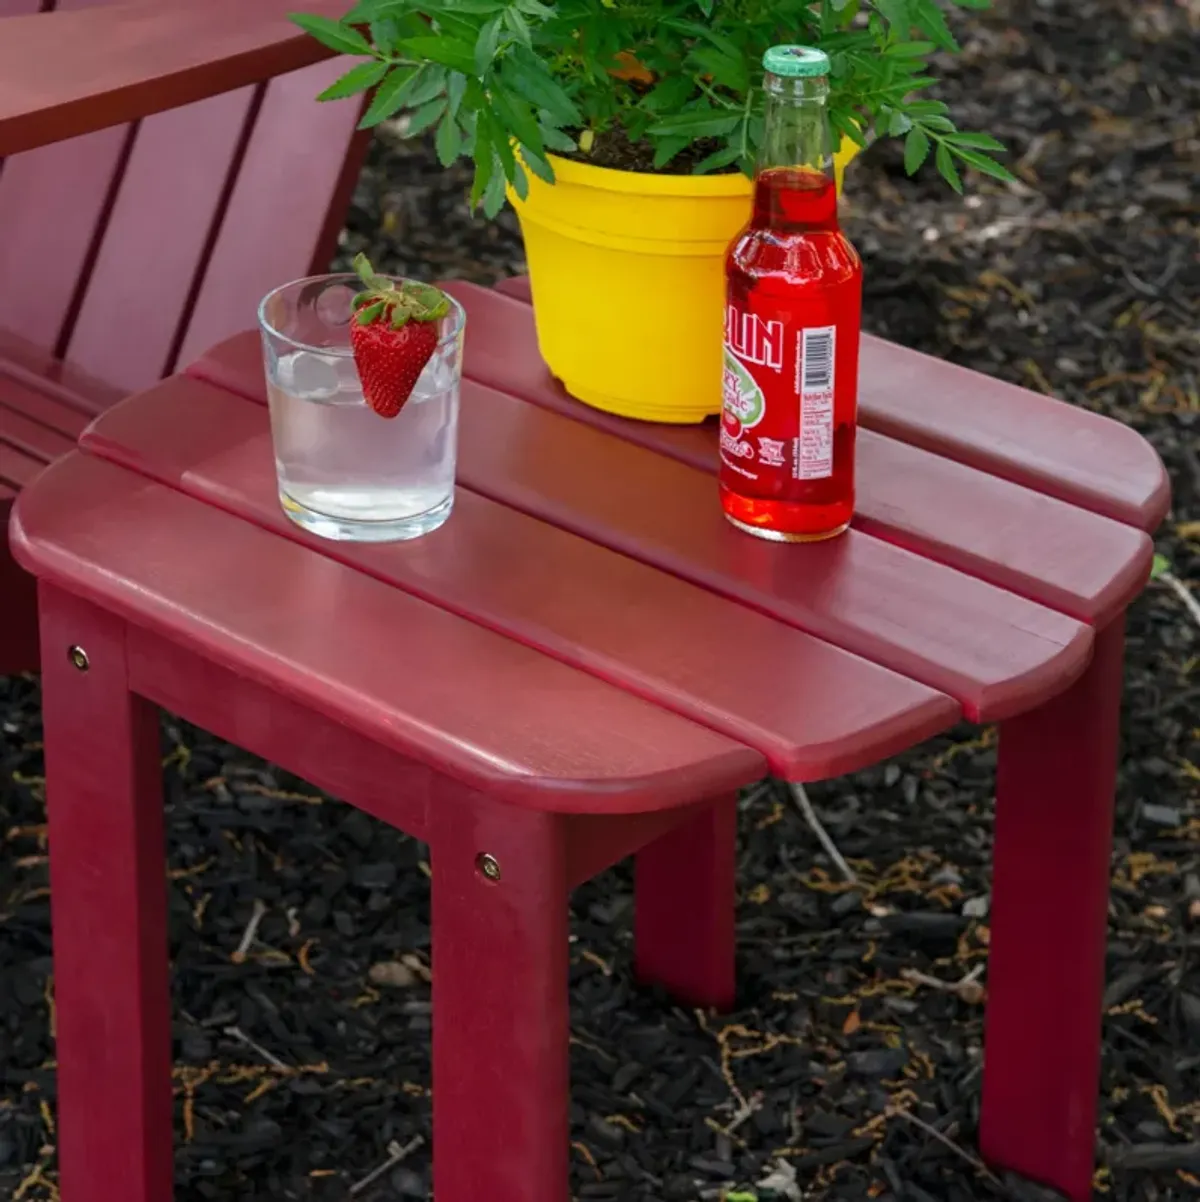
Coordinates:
814 383
817 372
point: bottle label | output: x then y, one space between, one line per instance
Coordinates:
778 393
815 368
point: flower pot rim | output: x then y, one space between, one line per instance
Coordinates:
647 183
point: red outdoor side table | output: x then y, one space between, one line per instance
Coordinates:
585 662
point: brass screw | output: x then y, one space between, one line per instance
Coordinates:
79 657
488 865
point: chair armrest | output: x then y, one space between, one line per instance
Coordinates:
68 73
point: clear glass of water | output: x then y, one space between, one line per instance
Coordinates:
345 472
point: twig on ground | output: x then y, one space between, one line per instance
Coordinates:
251 931
800 794
907 1115
242 1038
1182 591
968 989
396 1153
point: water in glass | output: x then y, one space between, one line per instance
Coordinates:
344 471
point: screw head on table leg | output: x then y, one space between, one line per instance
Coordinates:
78 657
488 865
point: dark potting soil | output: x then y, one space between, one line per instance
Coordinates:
304 1069
613 148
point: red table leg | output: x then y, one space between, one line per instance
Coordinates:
685 885
108 905
1054 816
500 1008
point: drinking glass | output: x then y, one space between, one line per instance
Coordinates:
344 471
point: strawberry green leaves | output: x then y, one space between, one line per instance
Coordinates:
510 83
400 302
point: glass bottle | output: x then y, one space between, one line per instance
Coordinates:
793 313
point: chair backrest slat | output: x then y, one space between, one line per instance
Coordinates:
157 236
52 204
19 8
131 250
279 208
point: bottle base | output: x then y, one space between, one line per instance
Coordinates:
786 536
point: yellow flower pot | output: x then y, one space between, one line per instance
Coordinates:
628 280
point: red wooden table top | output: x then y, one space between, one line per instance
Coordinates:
586 632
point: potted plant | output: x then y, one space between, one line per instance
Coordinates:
624 133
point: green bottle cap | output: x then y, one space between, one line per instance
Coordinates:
796 62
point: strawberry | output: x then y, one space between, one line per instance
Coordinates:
394 334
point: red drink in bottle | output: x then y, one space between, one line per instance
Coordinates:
793 311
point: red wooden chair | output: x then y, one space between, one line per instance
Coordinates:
132 238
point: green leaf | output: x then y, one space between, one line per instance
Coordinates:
910 49
978 141
977 5
498 136
527 76
698 123
486 8
486 45
450 52
518 27
1160 567
537 164
432 82
449 141
899 123
916 149
946 168
485 168
669 93
333 34
357 79
518 119
726 70
519 181
725 157
555 139
897 14
389 97
456 86
424 117
925 108
667 149
931 21
386 34
984 164
366 11
493 194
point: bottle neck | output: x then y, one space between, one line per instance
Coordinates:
794 181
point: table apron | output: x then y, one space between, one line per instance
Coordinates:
332 757
349 766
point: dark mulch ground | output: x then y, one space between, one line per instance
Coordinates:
1082 281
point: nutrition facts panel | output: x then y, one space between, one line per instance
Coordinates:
815 386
